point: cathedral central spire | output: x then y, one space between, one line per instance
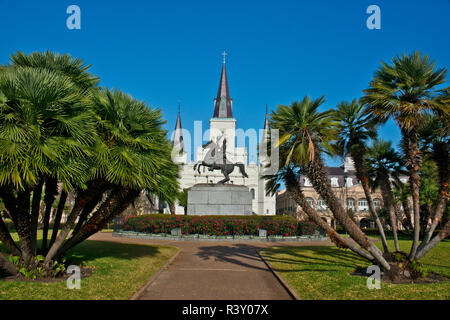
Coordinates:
223 102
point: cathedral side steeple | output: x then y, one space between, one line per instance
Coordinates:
178 133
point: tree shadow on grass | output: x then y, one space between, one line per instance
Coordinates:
92 250
322 256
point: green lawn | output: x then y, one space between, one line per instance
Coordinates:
324 273
120 271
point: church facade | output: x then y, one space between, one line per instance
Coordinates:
222 129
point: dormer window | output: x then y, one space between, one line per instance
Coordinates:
306 182
348 182
334 182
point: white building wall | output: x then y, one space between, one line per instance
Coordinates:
261 204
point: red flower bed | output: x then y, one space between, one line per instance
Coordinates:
217 225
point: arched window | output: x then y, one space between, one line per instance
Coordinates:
322 205
351 204
377 203
363 205
310 202
252 191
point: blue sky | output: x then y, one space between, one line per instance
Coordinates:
278 51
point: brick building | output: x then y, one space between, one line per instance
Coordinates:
347 188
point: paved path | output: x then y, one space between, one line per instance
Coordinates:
207 270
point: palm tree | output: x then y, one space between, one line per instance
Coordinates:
305 133
355 129
44 130
75 70
133 154
404 91
383 164
57 129
289 175
434 142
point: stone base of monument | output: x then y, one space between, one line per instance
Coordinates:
219 199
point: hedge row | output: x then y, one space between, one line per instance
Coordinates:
217 225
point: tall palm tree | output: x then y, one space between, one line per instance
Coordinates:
383 164
289 175
355 129
404 90
435 141
305 133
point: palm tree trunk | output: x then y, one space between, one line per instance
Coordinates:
316 174
35 206
23 224
442 160
297 195
386 192
413 158
407 212
116 203
51 190
88 209
9 200
444 233
6 265
400 216
362 175
83 198
58 216
7 240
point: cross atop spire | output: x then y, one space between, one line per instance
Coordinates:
224 53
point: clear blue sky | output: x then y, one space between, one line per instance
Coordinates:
279 51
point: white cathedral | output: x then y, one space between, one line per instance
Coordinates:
223 126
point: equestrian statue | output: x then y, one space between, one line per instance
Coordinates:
216 159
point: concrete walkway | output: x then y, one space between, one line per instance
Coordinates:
209 270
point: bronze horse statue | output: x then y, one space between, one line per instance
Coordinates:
216 159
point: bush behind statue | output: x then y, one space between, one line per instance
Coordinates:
217 225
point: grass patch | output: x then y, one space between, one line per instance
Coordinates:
324 273
120 271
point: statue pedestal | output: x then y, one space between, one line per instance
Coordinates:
219 199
